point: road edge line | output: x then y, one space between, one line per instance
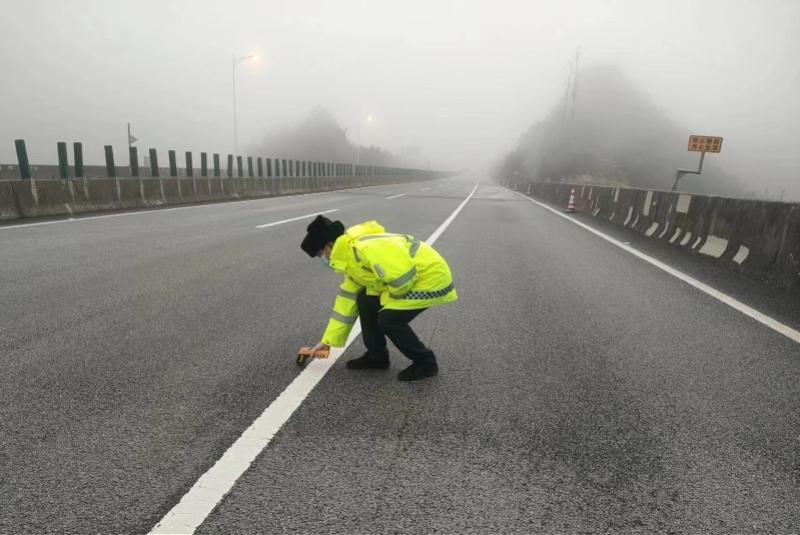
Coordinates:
732 302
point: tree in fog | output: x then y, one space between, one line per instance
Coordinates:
605 130
320 137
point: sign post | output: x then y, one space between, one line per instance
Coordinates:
701 144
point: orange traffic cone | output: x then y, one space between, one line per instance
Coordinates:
571 203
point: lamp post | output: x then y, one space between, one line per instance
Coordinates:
358 149
235 61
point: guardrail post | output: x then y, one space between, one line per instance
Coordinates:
111 170
260 167
173 164
22 159
63 163
133 159
239 171
230 165
217 173
203 164
189 167
250 166
77 158
154 172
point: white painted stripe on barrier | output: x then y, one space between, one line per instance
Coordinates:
747 310
675 236
686 238
652 230
648 201
684 200
714 246
630 214
741 254
697 242
397 196
193 508
298 218
664 232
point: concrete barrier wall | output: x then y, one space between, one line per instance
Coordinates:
759 239
37 198
8 202
130 194
103 193
151 192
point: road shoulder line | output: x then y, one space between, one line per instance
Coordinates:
732 302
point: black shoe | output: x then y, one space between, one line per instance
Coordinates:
369 361
418 370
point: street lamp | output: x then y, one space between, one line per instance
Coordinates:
235 61
358 148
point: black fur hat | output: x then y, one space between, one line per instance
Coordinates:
321 231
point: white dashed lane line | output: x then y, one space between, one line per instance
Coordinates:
298 218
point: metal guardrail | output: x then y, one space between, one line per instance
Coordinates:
245 166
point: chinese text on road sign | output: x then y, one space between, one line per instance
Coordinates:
705 143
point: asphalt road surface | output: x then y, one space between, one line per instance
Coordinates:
581 389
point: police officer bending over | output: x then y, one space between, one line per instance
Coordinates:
389 279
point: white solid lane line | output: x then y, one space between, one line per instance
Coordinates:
425 189
298 218
760 317
395 196
208 491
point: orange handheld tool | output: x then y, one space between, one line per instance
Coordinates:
305 354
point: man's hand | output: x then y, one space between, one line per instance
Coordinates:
320 347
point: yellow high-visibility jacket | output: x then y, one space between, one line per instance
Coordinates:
405 272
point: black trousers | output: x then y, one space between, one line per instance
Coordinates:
377 324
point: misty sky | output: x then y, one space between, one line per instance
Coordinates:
458 80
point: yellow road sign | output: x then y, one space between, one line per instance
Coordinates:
705 143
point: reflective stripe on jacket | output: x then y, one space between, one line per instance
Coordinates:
405 272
